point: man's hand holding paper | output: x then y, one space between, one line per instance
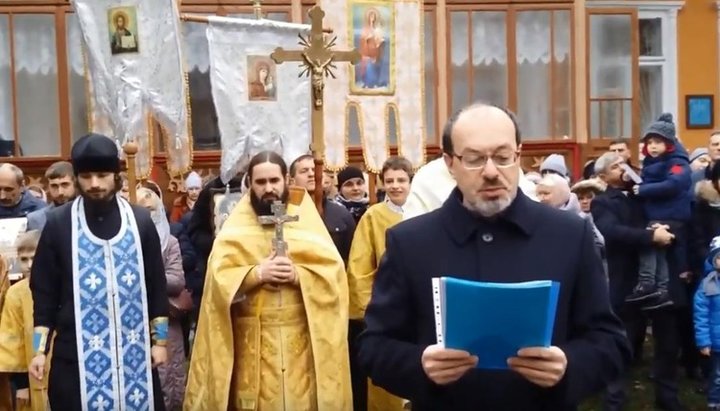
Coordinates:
543 366
444 366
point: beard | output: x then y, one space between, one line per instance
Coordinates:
491 208
97 196
263 205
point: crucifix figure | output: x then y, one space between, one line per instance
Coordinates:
279 217
318 60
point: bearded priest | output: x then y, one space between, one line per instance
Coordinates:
272 332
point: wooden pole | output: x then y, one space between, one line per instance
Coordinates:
372 187
257 8
319 189
199 18
131 148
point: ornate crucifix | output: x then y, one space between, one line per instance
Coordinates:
318 60
279 217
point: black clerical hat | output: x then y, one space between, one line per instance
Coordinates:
95 153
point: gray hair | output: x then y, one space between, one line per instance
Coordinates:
19 175
605 161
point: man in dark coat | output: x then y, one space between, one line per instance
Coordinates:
488 231
98 284
618 215
337 219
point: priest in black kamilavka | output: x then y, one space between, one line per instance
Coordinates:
98 286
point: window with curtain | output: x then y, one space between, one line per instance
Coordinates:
7 122
611 85
36 84
542 85
651 66
206 134
76 78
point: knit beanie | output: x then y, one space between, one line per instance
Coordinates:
193 180
556 164
663 127
697 153
349 173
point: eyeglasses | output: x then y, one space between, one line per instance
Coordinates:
473 161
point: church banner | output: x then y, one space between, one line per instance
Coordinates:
260 105
386 82
136 72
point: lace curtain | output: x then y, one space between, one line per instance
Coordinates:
539 46
6 114
36 84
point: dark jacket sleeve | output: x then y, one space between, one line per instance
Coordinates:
348 237
199 228
677 181
385 352
155 280
45 277
614 230
697 241
20 380
597 350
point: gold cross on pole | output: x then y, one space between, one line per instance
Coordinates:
317 58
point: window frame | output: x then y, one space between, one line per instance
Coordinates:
667 11
58 11
512 8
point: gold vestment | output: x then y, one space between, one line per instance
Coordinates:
280 348
16 339
367 249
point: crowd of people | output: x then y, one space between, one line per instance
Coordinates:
335 313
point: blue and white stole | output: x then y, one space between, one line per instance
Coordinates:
111 315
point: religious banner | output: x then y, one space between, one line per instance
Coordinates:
136 71
260 105
387 81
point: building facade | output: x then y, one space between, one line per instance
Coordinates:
579 74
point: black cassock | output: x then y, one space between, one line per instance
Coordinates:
51 283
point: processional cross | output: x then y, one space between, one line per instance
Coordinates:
279 217
318 60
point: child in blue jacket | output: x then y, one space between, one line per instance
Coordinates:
707 322
666 196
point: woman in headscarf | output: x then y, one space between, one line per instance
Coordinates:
173 374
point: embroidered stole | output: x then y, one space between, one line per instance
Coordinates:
111 315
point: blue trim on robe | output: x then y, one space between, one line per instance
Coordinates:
111 312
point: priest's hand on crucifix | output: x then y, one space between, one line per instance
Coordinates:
276 270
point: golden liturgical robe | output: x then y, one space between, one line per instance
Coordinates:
16 336
367 249
5 392
280 348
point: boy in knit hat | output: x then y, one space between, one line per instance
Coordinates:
700 159
666 197
706 315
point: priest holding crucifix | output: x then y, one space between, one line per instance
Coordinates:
271 332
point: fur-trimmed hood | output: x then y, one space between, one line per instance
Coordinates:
704 190
592 184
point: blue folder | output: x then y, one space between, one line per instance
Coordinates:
494 320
